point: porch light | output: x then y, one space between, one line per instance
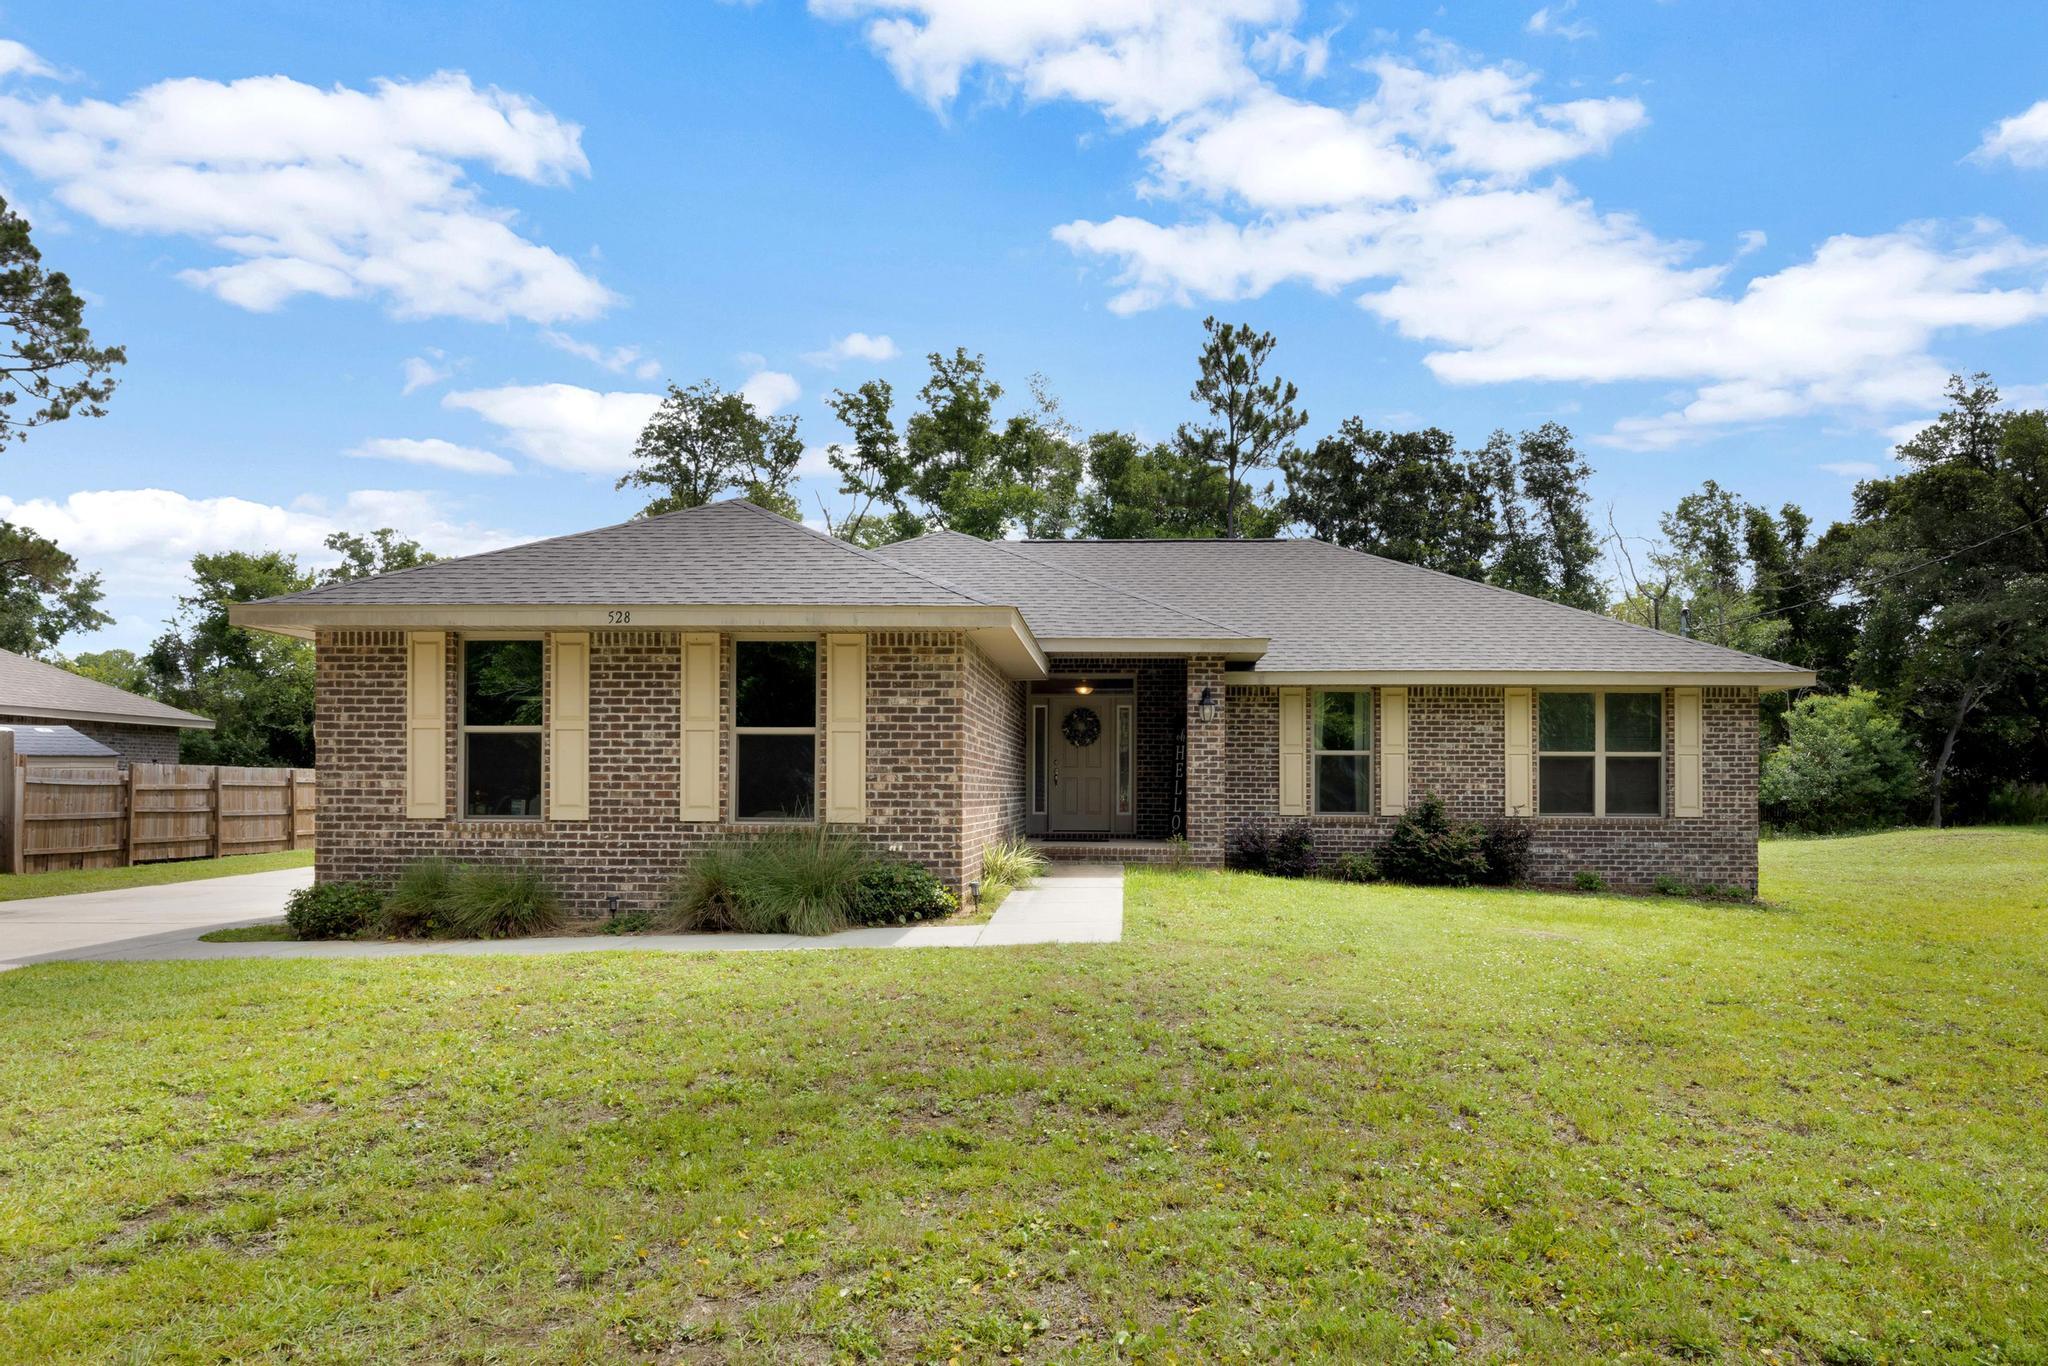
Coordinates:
1206 706
1084 687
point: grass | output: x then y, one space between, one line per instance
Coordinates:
1280 1121
21 886
269 932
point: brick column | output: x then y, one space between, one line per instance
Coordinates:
1206 765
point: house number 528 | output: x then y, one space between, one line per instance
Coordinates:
618 618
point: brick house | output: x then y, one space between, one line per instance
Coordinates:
599 705
140 730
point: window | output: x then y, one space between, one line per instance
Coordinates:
1342 738
1123 760
1600 753
775 730
501 723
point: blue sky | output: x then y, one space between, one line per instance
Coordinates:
377 265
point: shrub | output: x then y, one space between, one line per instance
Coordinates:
1505 847
1180 855
2018 804
331 910
1010 864
1428 848
1289 851
1845 765
1668 885
417 905
631 922
1586 880
1355 868
788 882
892 893
501 903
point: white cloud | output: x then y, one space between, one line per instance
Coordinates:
1274 152
1280 50
853 346
620 360
770 391
564 425
1850 469
17 60
421 371
2021 139
433 451
1486 120
1550 20
141 541
339 193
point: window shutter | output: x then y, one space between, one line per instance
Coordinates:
846 728
1393 751
569 727
1520 784
1685 752
1293 751
426 725
700 727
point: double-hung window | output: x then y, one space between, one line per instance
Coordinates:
501 725
1600 753
775 730
1342 737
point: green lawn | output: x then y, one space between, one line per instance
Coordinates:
20 886
1281 1121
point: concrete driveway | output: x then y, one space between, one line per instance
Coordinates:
116 924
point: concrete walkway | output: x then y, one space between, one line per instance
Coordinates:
1074 903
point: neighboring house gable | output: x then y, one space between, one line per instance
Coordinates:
139 729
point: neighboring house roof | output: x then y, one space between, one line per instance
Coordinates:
31 688
57 742
1326 609
1067 610
1302 610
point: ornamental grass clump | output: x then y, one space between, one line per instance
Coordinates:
501 903
1012 863
788 882
416 907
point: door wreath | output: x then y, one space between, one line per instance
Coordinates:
1082 727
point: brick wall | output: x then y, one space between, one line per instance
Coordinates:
993 805
922 687
135 744
1456 744
1208 761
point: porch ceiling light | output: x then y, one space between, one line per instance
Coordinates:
1206 706
1084 687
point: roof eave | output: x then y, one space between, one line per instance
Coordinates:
183 721
1767 680
1230 647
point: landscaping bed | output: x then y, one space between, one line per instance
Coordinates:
1283 1119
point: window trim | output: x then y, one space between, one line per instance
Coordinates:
1600 754
734 730
463 728
1369 697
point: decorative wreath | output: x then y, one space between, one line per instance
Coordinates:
1082 727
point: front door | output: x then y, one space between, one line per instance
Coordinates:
1083 765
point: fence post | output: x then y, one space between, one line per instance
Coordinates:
17 798
10 808
213 784
128 841
291 808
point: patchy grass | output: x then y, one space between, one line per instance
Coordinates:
1283 1120
21 886
269 932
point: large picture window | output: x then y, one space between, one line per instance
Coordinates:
775 730
1600 753
1342 736
501 724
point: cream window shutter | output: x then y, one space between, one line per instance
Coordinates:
1520 787
1293 751
700 727
426 725
846 729
1685 752
569 727
1393 751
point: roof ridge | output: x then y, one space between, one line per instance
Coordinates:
853 549
1008 548
1691 641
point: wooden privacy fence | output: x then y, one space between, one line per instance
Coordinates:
85 817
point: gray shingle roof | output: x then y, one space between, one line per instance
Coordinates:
1056 601
1325 608
29 687
721 554
56 742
